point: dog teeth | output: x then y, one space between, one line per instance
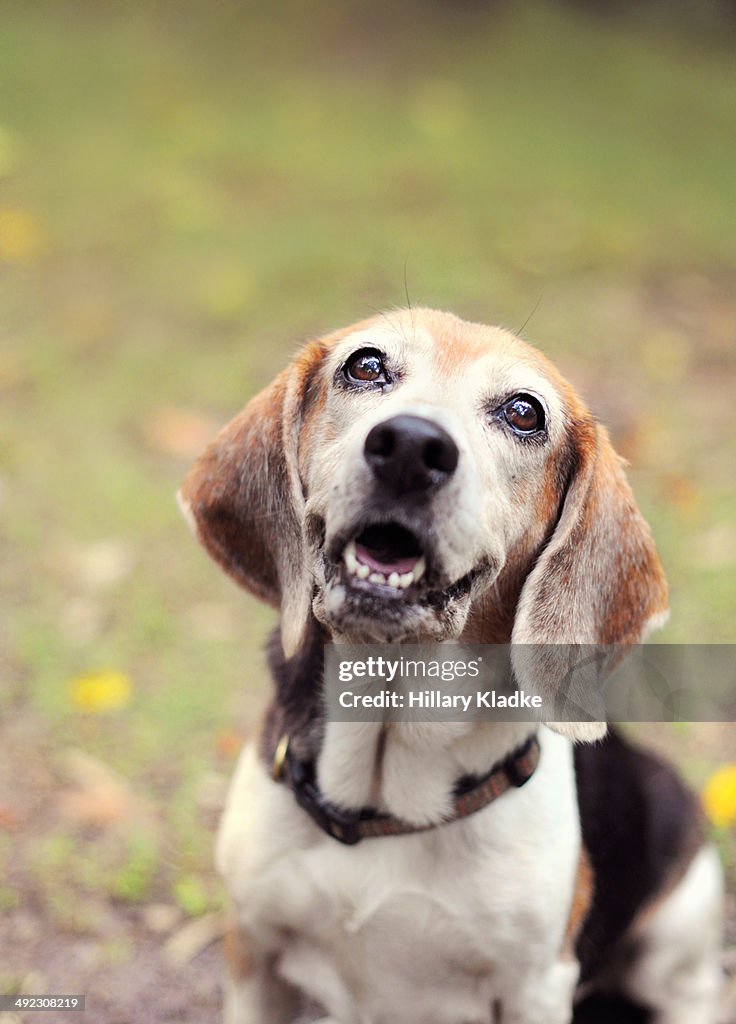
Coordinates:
350 558
363 572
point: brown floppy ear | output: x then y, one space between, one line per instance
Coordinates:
598 582
244 500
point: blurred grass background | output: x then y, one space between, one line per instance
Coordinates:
187 190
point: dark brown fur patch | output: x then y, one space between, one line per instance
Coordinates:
297 710
640 825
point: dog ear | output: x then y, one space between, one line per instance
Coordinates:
243 499
598 583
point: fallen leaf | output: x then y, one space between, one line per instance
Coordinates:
97 566
161 918
9 818
97 795
682 493
194 937
81 620
228 743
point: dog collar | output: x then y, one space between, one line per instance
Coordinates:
471 793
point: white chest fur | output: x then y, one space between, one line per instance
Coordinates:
429 928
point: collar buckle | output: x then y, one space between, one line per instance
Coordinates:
279 758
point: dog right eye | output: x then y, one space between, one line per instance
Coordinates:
366 367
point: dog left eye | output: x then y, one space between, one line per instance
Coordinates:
366 367
524 414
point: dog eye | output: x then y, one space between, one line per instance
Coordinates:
524 414
366 367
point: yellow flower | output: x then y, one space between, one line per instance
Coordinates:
719 796
100 692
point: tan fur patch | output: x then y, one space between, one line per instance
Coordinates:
581 903
237 953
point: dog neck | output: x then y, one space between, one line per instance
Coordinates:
408 769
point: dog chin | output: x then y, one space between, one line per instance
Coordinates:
374 618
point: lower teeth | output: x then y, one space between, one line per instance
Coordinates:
394 579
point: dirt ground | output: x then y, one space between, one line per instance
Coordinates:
148 988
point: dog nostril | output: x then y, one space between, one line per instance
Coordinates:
380 441
441 455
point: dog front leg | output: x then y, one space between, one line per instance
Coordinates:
545 998
254 992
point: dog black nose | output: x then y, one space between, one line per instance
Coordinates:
410 453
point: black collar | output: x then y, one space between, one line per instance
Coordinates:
471 794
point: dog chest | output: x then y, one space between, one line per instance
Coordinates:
451 917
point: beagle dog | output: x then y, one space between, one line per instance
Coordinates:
417 478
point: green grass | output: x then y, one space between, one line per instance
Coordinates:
206 186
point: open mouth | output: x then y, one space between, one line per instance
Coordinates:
385 554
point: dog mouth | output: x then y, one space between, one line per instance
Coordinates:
385 581
386 564
385 555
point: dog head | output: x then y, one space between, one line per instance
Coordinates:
417 477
